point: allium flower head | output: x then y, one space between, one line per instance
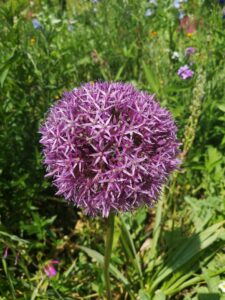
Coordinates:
109 147
190 51
185 73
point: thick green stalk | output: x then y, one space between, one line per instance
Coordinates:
108 251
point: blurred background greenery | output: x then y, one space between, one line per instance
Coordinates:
173 251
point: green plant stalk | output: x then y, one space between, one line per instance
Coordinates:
190 129
156 231
131 251
108 251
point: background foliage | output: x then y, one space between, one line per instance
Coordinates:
173 251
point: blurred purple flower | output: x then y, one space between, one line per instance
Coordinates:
176 3
36 24
5 253
184 72
49 269
190 51
109 147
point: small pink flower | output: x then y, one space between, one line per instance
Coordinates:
189 25
5 253
49 269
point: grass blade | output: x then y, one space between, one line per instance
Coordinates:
9 278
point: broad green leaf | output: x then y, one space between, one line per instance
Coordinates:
3 75
213 157
194 281
100 259
188 250
143 295
159 295
221 107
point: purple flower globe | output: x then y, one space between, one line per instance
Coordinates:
109 147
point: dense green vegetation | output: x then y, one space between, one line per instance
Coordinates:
172 251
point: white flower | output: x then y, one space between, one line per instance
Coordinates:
175 55
154 2
221 286
148 12
177 3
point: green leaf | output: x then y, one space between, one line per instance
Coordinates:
189 249
159 295
4 75
13 237
221 107
9 278
118 74
143 295
151 78
100 259
129 245
156 231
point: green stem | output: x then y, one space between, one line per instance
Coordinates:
108 251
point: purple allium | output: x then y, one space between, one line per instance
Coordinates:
109 147
190 51
184 72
